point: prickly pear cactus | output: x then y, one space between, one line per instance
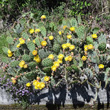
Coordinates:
38 55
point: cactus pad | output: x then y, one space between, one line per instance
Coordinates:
56 48
26 57
47 62
102 46
75 68
89 40
68 68
47 69
14 63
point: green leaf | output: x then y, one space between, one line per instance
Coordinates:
66 22
79 19
31 46
102 39
4 59
95 30
96 68
14 63
13 47
85 3
107 70
80 31
52 81
11 71
25 35
40 24
17 53
51 24
5 50
89 4
22 21
75 62
89 72
38 41
43 31
9 40
18 29
95 45
80 63
73 22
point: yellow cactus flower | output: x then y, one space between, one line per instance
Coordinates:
42 85
60 33
53 68
60 56
46 78
72 28
9 51
68 44
90 46
84 58
34 52
31 31
28 84
56 64
37 59
37 85
43 17
72 47
37 30
85 47
64 46
43 43
94 36
51 56
66 58
59 61
70 58
101 66
64 27
25 66
34 41
69 36
22 41
13 80
22 63
35 82
18 45
50 37
10 54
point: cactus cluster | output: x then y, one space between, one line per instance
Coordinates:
68 53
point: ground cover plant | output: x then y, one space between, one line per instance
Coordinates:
48 55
